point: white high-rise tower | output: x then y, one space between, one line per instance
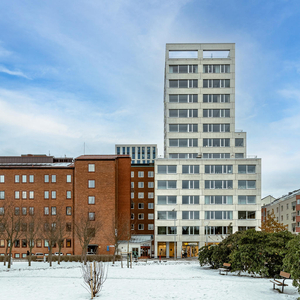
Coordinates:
206 186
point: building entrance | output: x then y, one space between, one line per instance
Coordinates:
190 249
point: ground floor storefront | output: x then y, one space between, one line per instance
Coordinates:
181 249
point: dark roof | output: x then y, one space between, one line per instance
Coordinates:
101 157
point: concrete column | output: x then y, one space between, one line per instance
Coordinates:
167 250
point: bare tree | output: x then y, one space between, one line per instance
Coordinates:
62 233
85 230
31 232
11 228
51 235
94 275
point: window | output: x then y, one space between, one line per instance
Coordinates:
91 216
166 169
24 195
216 155
287 206
24 211
166 184
68 210
190 184
164 230
141 206
69 178
247 200
183 142
132 185
69 195
68 243
17 178
140 226
46 178
218 199
141 174
24 178
216 68
183 113
46 194
68 227
183 127
190 215
46 210
2 243
132 216
246 184
141 195
2 195
91 167
183 83
216 127
190 199
248 215
132 205
218 215
1 211
132 174
53 211
239 142
167 215
150 206
287 216
140 185
218 169
190 230
31 211
215 230
39 243
216 83
216 98
150 195
150 174
131 195
141 216
91 200
183 68
246 169
150 226
150 185
31 178
53 194
216 142
162 200
218 184
183 98
91 184
53 178
216 113
239 155
183 155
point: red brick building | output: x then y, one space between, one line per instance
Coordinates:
62 192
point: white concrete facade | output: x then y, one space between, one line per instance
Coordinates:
206 155
139 153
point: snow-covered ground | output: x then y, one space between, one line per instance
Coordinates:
166 280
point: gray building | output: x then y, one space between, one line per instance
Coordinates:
206 186
140 153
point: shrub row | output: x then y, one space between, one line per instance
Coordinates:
256 252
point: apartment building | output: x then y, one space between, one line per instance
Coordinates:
62 192
286 210
205 186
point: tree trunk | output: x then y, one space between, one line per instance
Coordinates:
9 255
50 256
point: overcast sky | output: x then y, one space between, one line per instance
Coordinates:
92 71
